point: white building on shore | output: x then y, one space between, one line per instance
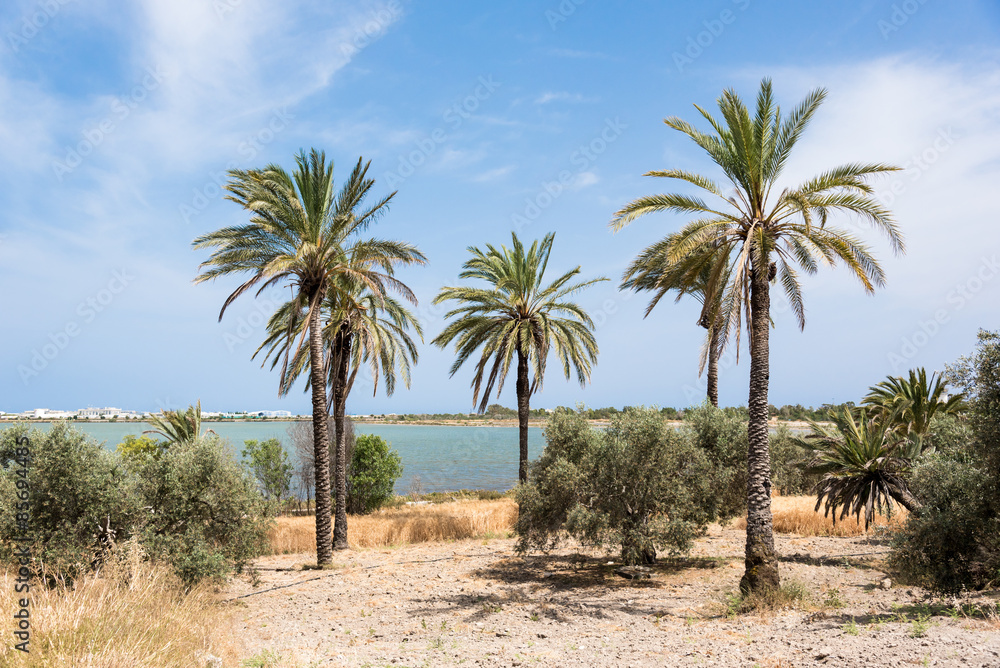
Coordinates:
106 414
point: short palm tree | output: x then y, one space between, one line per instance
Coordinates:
912 402
303 233
178 426
769 235
653 271
517 315
361 330
863 462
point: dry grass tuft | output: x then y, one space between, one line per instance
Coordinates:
132 614
797 514
400 526
791 595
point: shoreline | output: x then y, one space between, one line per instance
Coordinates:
791 424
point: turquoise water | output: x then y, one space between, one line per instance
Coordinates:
435 458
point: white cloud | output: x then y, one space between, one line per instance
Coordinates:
562 96
938 122
493 174
584 180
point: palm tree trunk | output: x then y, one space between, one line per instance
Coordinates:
343 345
321 441
761 558
713 367
522 415
908 501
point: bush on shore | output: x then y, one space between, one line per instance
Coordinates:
77 491
191 506
372 473
639 485
953 542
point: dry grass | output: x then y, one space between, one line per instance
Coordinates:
797 514
400 526
133 614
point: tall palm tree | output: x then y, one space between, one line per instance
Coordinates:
178 426
768 238
912 402
361 330
652 271
517 314
863 461
302 233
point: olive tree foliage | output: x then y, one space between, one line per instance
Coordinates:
271 466
191 506
372 474
954 541
722 434
78 491
207 516
638 485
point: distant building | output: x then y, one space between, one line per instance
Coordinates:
46 414
106 413
272 414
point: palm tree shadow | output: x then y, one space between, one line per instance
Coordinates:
863 562
560 587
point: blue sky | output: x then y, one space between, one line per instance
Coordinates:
117 126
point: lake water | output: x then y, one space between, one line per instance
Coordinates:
435 458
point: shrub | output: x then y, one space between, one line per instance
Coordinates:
639 485
788 460
76 486
555 479
270 465
137 446
951 437
206 517
372 474
722 435
954 541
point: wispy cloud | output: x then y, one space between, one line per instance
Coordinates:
562 96
584 180
493 174
574 53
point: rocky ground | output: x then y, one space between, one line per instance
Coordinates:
477 603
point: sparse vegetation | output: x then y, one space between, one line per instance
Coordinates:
133 614
454 520
638 485
954 542
372 474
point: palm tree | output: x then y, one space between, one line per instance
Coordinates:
362 329
302 233
517 314
653 271
178 426
913 402
768 238
863 462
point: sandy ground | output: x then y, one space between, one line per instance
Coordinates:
477 603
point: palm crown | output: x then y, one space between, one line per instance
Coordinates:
864 462
302 231
380 325
178 426
909 404
750 225
517 313
653 271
